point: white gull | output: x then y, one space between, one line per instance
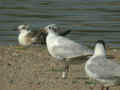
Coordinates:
64 49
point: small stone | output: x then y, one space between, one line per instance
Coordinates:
114 50
11 81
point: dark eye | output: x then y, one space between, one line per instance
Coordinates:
50 27
23 28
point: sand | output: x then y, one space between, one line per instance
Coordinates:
34 69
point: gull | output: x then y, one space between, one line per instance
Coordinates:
102 69
28 37
64 49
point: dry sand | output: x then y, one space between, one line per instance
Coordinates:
34 69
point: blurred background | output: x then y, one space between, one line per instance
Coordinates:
89 19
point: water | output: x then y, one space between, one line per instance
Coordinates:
89 19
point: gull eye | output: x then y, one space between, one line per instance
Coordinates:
23 28
50 27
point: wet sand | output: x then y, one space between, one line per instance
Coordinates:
34 69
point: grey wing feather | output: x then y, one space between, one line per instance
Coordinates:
105 68
40 36
68 48
32 34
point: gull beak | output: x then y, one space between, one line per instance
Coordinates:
16 30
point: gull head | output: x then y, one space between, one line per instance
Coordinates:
100 48
52 28
23 27
100 42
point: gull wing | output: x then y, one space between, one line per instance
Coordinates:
38 36
105 68
67 48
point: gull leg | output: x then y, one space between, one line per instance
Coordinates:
107 88
66 70
102 88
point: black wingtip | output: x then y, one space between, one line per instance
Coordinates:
65 33
100 41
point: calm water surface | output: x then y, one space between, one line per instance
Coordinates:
89 19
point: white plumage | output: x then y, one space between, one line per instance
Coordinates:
63 48
99 68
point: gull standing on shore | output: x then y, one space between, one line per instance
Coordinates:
28 37
101 69
64 49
